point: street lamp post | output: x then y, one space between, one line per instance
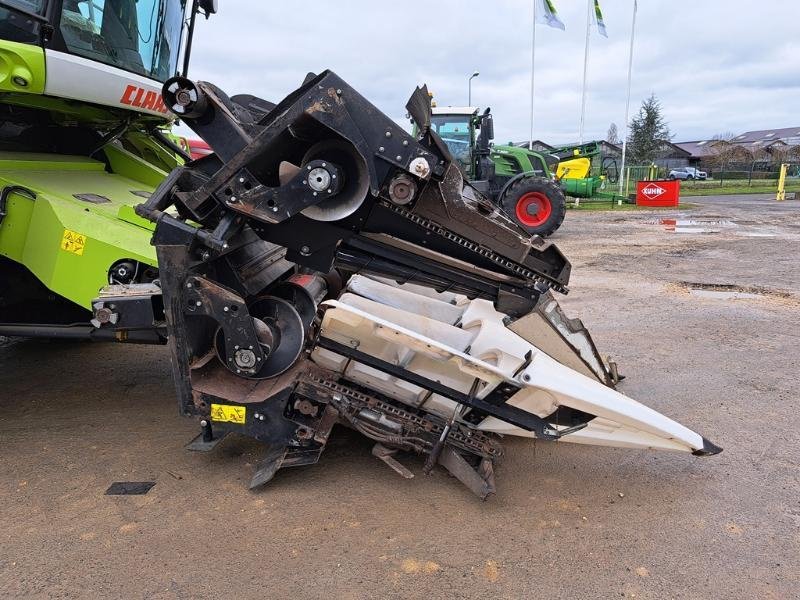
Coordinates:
469 82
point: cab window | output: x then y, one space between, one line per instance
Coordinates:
141 36
17 27
456 132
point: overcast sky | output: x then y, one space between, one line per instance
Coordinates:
716 65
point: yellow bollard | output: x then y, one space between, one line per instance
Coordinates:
782 183
627 182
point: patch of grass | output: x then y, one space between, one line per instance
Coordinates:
714 188
605 205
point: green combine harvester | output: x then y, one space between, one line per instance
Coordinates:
84 137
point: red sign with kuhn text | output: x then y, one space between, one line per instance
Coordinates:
658 193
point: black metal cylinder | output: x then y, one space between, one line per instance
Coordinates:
304 290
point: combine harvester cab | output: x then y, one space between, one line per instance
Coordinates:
324 267
83 139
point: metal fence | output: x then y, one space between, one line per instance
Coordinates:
753 173
734 174
636 173
727 178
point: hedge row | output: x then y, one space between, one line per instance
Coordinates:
745 175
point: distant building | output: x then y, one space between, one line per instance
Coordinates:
765 137
609 149
761 148
538 146
672 156
697 151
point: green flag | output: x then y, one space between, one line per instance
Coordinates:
598 18
547 14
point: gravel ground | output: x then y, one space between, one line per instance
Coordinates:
567 522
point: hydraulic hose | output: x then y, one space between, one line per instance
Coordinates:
13 189
169 144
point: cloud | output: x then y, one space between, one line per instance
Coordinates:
717 65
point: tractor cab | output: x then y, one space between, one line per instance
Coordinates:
515 178
468 136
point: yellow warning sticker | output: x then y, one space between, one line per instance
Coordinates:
74 242
228 414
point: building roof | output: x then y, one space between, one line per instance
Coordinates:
789 135
697 149
751 140
616 147
674 149
759 144
601 142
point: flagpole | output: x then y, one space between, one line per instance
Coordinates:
590 6
627 102
533 68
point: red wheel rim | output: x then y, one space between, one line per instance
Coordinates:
533 209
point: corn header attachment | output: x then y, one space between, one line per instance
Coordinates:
324 267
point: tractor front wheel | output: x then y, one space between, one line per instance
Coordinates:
535 204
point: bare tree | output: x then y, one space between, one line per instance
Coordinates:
780 153
761 155
726 136
612 137
724 150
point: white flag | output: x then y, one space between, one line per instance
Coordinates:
547 14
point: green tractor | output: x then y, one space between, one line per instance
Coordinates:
84 137
518 180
